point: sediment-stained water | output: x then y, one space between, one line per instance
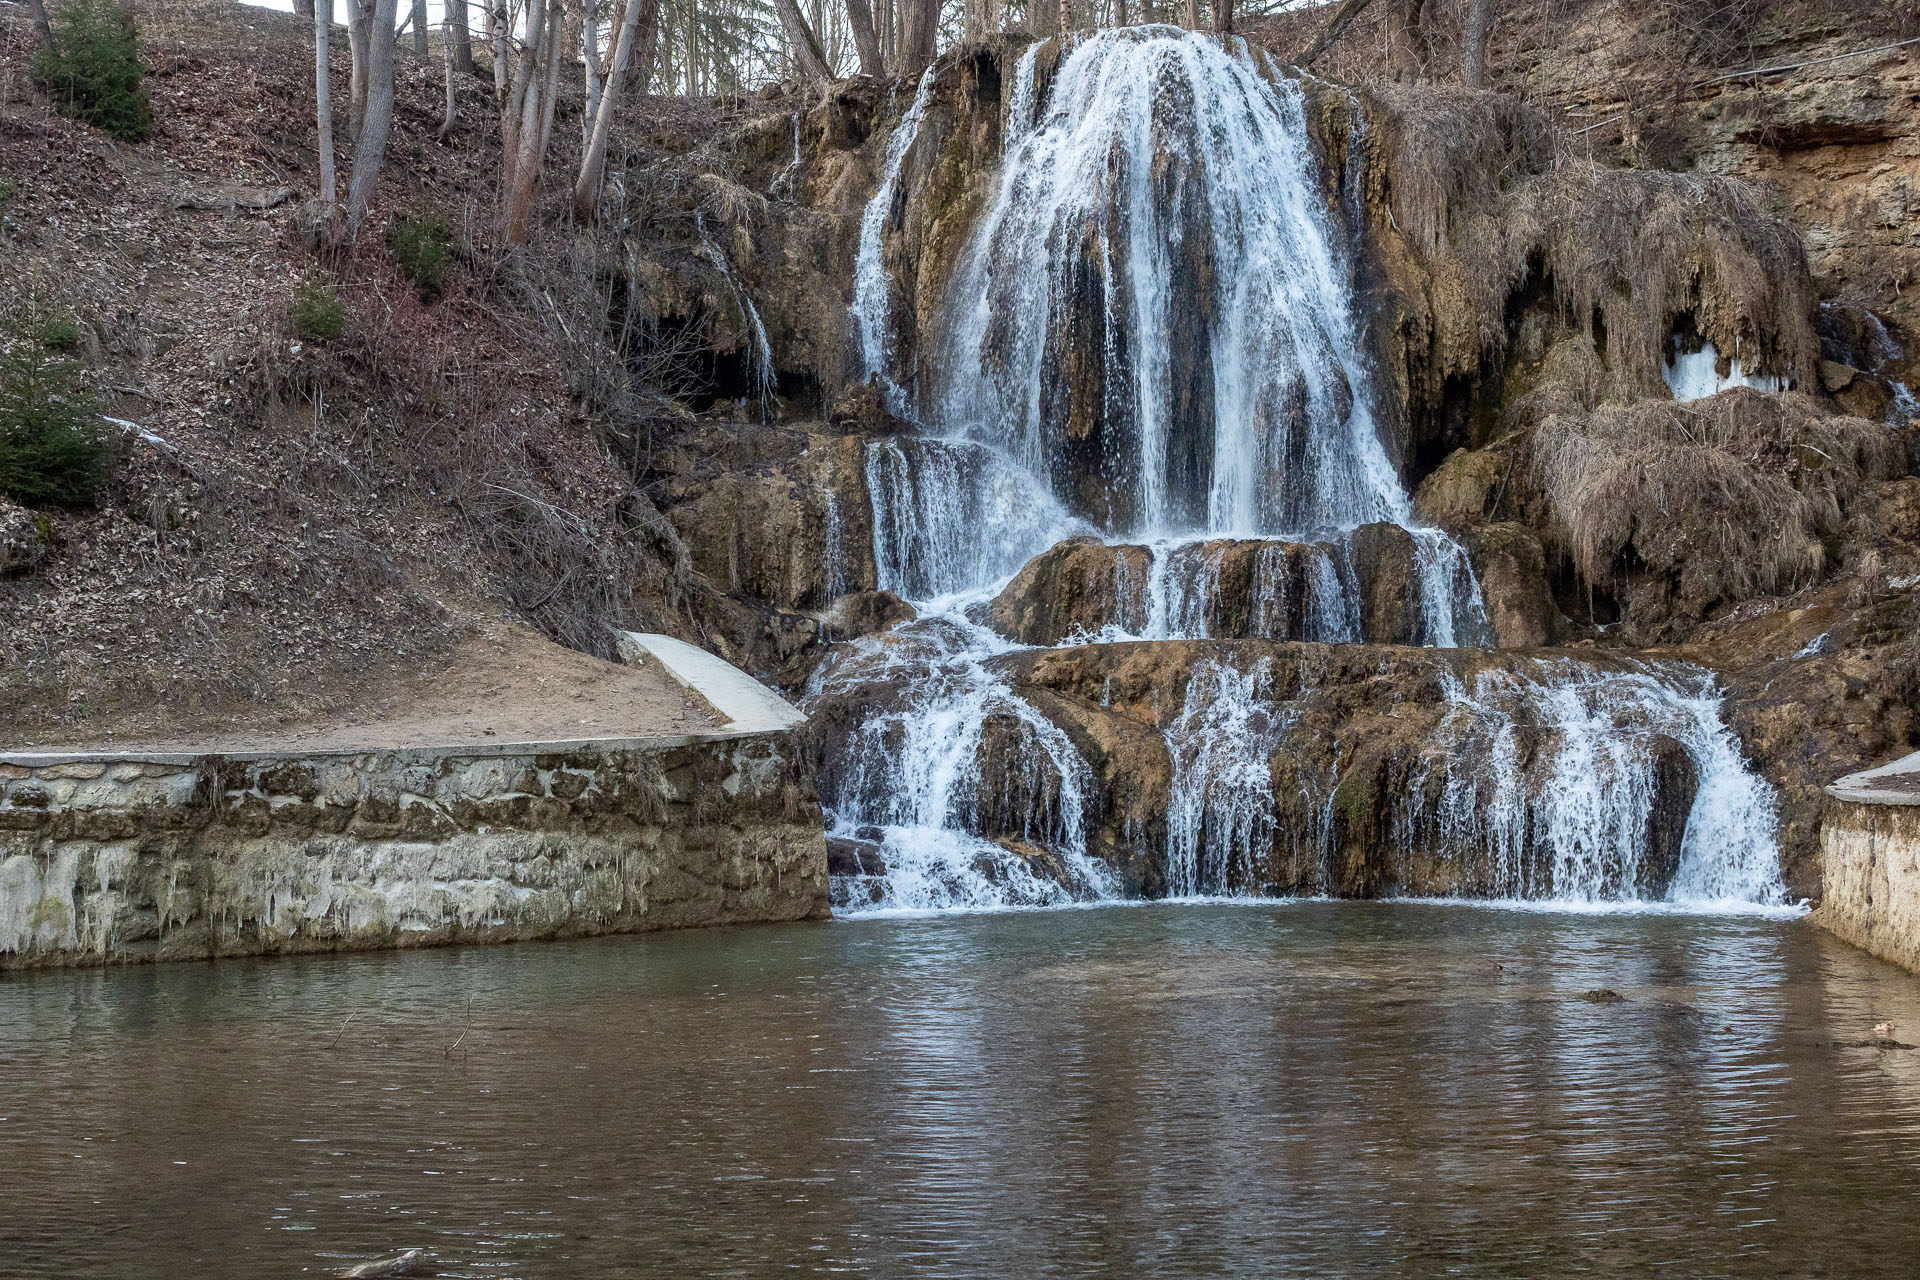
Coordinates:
1253 1090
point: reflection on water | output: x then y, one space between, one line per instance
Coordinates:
1305 1089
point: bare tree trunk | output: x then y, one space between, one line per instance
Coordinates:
301 8
1479 27
1193 15
1223 17
448 67
1336 27
460 36
323 112
646 48
593 163
498 36
521 122
41 28
420 29
1407 48
359 25
565 28
370 147
590 65
865 42
919 28
808 58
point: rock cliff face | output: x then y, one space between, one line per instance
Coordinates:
1612 388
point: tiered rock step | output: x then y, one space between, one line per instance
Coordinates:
1361 586
1377 773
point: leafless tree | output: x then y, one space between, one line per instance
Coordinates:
459 36
419 20
38 9
323 110
301 8
499 31
1336 27
919 29
808 57
1223 16
593 163
1474 55
359 36
590 60
447 69
370 144
526 114
1407 47
866 42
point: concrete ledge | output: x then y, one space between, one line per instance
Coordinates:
741 703
544 746
1896 783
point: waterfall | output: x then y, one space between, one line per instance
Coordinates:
872 297
1162 162
953 515
1554 770
1151 340
915 788
1220 816
766 382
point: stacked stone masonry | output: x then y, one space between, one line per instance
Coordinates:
114 859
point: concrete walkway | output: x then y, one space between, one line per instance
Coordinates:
1896 783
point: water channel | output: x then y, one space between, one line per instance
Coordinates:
1256 1089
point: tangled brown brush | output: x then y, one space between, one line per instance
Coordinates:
728 202
1496 201
1731 495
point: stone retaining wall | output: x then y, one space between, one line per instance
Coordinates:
110 859
1871 871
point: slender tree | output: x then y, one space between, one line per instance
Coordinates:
498 33
301 8
1407 48
1474 52
866 42
1223 16
419 20
459 36
370 146
593 162
359 37
808 57
524 115
1336 27
448 65
323 112
590 62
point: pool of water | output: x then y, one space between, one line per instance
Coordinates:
1304 1089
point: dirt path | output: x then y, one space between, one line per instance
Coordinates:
508 685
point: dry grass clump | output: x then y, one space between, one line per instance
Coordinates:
1728 498
1496 204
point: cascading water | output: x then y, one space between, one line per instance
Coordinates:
1576 824
760 360
872 300
1166 200
1153 340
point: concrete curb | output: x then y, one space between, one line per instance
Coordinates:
1896 783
